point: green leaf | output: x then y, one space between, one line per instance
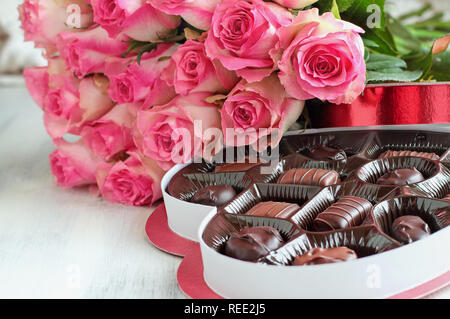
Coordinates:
366 55
383 39
440 69
382 61
415 13
335 9
360 11
421 59
344 4
393 74
427 35
399 30
369 15
133 44
370 43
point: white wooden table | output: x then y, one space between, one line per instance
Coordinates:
56 243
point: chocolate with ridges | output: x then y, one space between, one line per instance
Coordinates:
318 256
348 211
401 176
309 176
252 243
323 153
214 195
409 228
391 153
274 210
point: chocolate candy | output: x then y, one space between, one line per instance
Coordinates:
323 153
318 256
237 167
309 176
402 176
274 209
409 228
391 153
252 243
214 195
346 212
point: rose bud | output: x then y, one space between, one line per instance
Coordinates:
197 13
133 182
321 57
85 52
242 34
166 133
43 20
192 71
68 103
111 134
73 164
256 110
137 19
295 4
133 82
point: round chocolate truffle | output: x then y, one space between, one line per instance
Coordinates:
214 195
318 256
252 243
409 228
401 176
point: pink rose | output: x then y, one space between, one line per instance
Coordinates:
192 71
85 52
258 109
197 13
242 34
68 103
134 181
135 18
36 81
133 82
167 133
73 164
295 4
42 20
322 57
111 134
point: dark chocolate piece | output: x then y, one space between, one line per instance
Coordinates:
348 211
214 195
318 256
274 209
323 153
309 176
252 243
409 228
401 176
391 153
238 167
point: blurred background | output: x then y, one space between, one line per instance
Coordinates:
15 55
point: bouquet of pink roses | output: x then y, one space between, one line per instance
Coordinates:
147 84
